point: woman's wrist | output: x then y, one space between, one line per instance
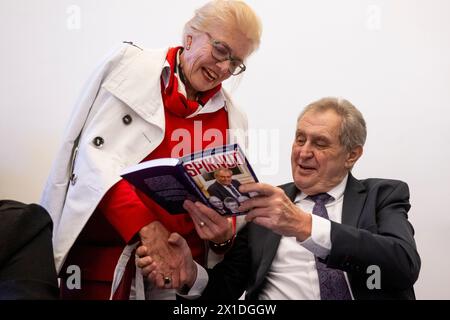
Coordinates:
222 246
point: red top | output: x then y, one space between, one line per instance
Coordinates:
182 136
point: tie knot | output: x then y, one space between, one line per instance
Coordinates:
320 198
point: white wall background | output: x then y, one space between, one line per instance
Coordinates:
390 58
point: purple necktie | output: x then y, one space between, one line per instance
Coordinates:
332 281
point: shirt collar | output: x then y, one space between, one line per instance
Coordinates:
214 104
336 192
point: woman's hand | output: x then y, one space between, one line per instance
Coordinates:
209 224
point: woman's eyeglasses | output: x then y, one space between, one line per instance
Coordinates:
221 52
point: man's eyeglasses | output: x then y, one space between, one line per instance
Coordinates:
221 52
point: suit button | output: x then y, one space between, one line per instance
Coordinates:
98 142
127 119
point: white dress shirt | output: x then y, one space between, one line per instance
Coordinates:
293 273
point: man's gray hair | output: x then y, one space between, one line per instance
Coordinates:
353 130
222 169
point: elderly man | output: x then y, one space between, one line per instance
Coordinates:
327 235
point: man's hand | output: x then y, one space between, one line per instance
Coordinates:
154 237
274 210
209 224
183 269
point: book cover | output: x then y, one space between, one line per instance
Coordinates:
212 176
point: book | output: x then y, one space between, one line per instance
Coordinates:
212 176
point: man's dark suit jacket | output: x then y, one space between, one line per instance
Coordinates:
27 268
374 231
218 190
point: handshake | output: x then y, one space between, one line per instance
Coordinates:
175 271
165 259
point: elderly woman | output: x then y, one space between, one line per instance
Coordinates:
142 105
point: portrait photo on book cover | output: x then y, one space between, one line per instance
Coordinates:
223 192
219 176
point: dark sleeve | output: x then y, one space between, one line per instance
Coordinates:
388 244
27 268
229 278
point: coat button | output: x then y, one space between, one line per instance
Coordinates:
127 119
98 141
73 179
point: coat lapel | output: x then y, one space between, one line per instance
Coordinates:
354 199
137 83
237 122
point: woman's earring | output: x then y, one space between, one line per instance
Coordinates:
188 42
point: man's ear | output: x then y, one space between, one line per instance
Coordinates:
353 156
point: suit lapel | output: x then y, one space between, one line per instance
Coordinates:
291 190
354 199
270 247
272 240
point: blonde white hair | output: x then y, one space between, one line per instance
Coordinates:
234 13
